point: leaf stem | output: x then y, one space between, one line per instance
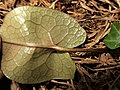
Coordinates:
79 49
57 48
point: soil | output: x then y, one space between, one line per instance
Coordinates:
98 70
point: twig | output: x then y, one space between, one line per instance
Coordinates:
53 4
15 2
99 35
63 83
79 60
72 84
99 19
107 68
86 7
45 3
14 86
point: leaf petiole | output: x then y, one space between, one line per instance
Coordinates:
58 48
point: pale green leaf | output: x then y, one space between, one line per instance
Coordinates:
38 27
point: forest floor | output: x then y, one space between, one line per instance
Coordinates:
95 70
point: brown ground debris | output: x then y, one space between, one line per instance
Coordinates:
95 70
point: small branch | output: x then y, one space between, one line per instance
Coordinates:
15 2
106 68
72 84
53 4
62 83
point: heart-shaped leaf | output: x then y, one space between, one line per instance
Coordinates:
112 40
28 33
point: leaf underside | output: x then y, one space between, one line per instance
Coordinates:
42 27
112 40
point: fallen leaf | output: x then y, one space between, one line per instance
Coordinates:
28 33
